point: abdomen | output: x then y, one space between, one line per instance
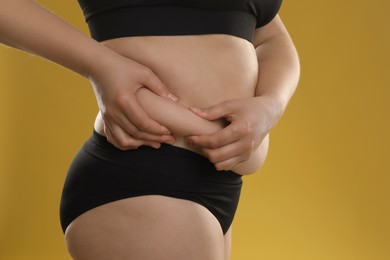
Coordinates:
200 70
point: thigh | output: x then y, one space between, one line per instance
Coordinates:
146 227
228 243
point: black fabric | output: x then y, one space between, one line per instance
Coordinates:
108 19
100 173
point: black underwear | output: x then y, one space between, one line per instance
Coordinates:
100 173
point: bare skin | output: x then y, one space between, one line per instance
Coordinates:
202 71
215 72
183 122
148 228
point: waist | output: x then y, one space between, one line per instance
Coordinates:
169 20
169 159
200 70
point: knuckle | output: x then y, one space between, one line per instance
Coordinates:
205 152
242 129
122 144
213 156
126 144
117 144
220 167
122 100
144 125
135 134
247 146
212 143
146 73
236 129
121 147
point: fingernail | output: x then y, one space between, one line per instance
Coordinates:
155 146
166 131
173 97
170 141
195 109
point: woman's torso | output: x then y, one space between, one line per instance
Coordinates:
201 70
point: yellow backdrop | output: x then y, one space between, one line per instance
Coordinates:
324 191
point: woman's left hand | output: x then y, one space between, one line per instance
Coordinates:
250 121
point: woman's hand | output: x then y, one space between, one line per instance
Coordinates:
252 118
116 80
250 121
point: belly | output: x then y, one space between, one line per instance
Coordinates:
200 70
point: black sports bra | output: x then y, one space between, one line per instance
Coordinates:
109 19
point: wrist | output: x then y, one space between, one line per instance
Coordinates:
99 57
274 105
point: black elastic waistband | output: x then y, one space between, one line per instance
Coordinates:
170 20
168 158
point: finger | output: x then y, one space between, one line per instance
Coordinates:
214 112
147 138
110 138
153 83
142 121
237 149
229 164
120 139
221 138
125 141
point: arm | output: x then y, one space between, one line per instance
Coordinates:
252 118
27 26
279 67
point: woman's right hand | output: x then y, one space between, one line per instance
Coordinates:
116 80
27 26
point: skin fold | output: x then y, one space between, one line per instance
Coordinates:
229 70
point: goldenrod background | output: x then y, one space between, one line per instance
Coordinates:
324 191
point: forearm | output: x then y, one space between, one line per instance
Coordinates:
27 26
279 71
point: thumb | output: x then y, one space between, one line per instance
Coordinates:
154 84
214 112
